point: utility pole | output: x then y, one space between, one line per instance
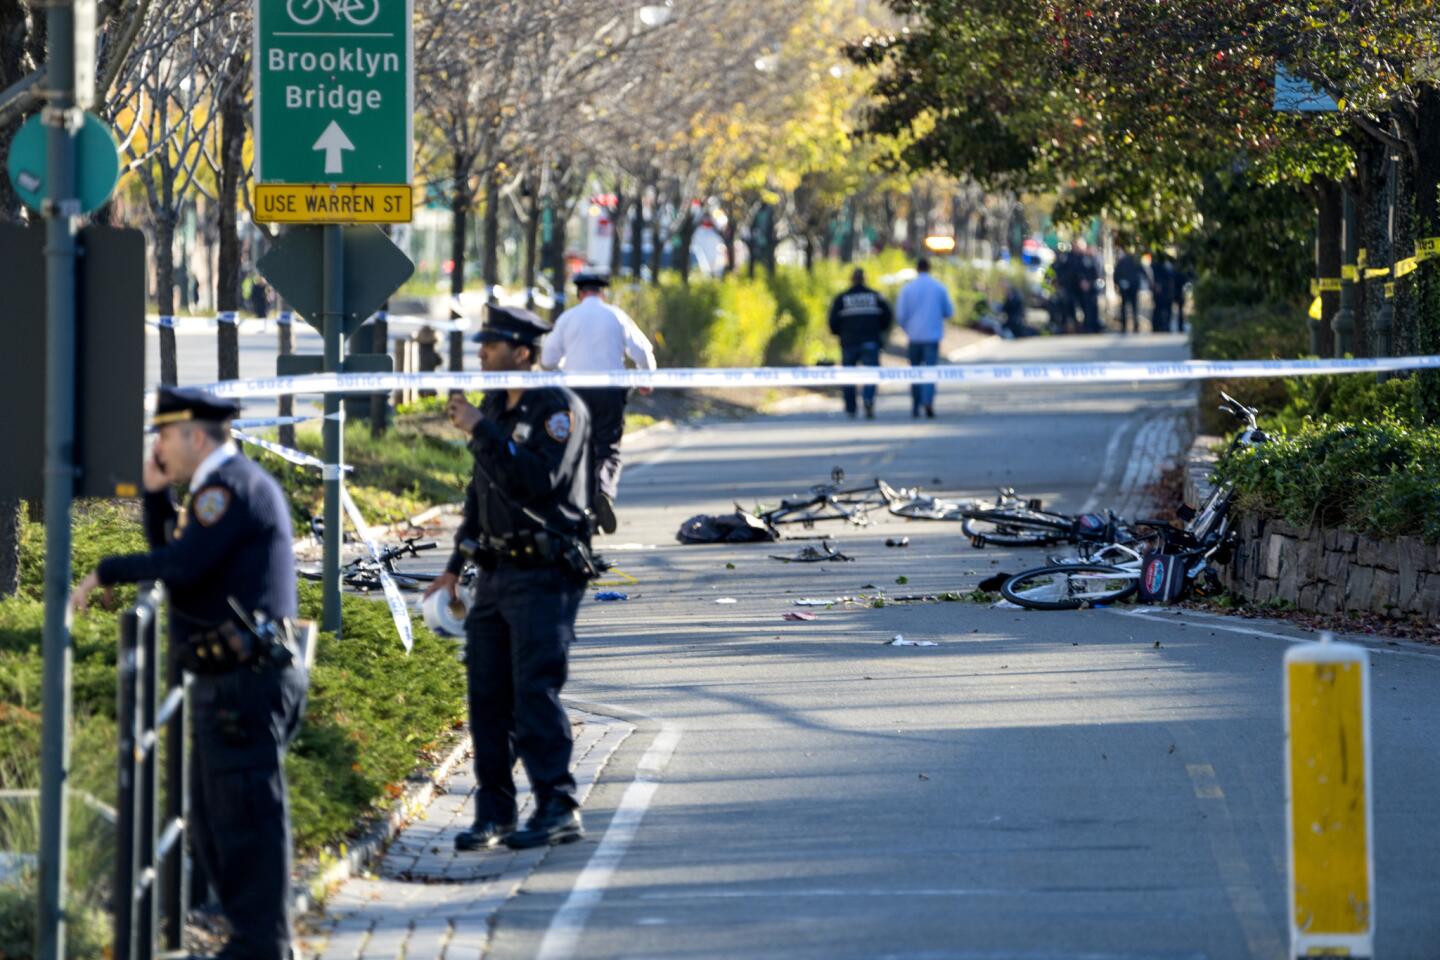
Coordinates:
62 208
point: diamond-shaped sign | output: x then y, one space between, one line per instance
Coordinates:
374 269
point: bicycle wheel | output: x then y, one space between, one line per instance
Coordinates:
1070 587
1014 529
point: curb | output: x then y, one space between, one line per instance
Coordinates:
360 855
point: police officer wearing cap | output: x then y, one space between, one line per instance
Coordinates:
527 526
225 557
596 336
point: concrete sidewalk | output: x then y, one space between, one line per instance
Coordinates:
430 902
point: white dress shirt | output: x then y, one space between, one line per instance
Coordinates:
212 463
594 335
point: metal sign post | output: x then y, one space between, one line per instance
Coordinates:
334 108
63 120
1329 821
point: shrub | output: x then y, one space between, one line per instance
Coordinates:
1381 479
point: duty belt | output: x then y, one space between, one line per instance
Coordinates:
527 549
231 646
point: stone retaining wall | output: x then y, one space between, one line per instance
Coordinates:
1322 570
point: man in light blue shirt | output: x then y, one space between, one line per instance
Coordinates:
921 311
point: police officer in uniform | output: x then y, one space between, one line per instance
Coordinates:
225 557
527 526
860 317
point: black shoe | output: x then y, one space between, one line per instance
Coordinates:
552 823
930 412
869 412
915 413
605 513
483 835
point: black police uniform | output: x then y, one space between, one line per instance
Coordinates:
527 523
231 539
861 318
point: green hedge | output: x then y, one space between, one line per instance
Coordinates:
1381 479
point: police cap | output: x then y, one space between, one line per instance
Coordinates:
511 325
591 281
179 404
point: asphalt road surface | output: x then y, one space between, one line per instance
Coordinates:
1099 785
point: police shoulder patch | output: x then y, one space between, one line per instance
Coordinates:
558 426
210 505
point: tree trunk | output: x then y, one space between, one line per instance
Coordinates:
771 239
684 239
728 236
1330 225
637 237
912 223
617 237
12 516
460 201
532 243
1370 220
657 242
847 239
809 248
232 168
490 270
554 247
165 292
1425 324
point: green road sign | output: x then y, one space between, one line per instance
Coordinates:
97 159
335 87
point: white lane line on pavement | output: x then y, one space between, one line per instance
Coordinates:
1109 467
1204 622
562 938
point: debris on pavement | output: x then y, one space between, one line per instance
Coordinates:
813 602
812 555
726 600
994 583
899 641
737 527
610 596
897 541
797 615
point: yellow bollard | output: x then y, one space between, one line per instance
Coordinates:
1328 822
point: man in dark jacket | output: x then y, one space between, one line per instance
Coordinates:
1162 290
1129 275
861 318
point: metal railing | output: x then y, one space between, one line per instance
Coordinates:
152 871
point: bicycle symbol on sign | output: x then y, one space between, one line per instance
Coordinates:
307 12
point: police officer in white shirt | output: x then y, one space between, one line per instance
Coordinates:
594 335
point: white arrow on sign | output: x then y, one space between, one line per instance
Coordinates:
332 141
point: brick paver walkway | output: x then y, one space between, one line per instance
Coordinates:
429 902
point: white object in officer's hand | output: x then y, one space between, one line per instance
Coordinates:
444 614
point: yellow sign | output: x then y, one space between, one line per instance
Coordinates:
1349 272
1362 257
327 203
1329 822
1407 266
1427 249
1314 288
1330 284
1375 273
1390 291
